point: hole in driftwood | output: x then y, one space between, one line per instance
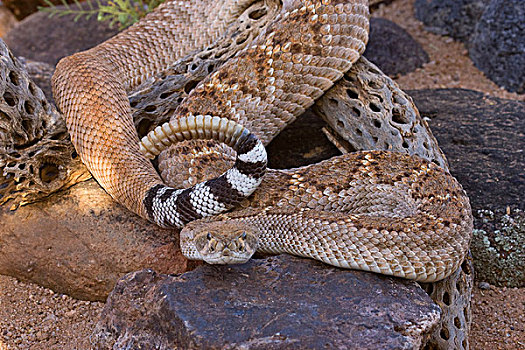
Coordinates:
150 108
9 99
28 107
374 107
48 172
352 94
446 298
13 77
166 94
457 322
257 14
190 85
444 333
398 118
32 88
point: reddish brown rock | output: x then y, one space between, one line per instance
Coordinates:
23 8
80 242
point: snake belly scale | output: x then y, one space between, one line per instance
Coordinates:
298 56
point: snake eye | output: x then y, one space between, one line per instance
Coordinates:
243 236
208 236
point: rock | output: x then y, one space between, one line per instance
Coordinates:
392 49
45 39
23 8
273 303
498 44
493 30
375 4
81 242
7 20
499 246
456 18
483 139
483 285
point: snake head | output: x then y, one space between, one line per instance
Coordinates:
219 242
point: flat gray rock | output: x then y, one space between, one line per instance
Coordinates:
273 303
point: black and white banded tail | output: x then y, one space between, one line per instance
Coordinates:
170 207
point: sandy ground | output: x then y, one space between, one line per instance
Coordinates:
32 317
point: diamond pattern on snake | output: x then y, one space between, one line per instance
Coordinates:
376 211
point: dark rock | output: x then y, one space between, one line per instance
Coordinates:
392 49
483 140
498 44
483 285
276 303
456 18
45 39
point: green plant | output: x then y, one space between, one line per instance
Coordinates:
123 12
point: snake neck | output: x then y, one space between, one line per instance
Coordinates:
394 247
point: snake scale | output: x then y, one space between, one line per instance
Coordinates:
375 211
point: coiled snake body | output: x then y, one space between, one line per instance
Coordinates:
366 208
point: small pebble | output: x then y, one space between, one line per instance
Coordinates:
483 285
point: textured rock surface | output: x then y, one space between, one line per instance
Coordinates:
81 242
456 18
498 44
483 139
499 246
392 49
274 303
45 39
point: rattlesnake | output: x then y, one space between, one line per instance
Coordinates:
297 57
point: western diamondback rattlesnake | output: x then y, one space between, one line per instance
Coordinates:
297 57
